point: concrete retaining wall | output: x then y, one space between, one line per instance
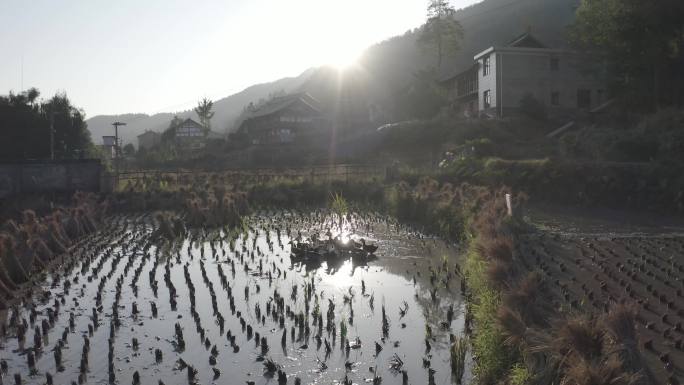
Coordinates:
45 176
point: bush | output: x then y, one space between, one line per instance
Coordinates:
531 107
635 149
653 137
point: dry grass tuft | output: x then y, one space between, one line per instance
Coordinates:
498 274
620 322
512 325
524 299
609 371
582 336
499 248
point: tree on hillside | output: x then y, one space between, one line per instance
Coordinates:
422 98
170 133
25 124
129 149
32 95
441 33
203 110
643 44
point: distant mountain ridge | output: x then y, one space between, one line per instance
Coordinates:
226 111
384 69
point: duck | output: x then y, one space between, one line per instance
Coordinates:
370 249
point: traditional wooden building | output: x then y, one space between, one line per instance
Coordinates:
285 120
191 134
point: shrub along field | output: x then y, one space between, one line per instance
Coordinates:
643 186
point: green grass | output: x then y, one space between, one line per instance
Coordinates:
338 204
519 375
493 357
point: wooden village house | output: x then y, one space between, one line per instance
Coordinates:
285 120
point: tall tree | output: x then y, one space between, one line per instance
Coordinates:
643 45
170 133
422 98
71 136
442 33
203 110
25 127
129 149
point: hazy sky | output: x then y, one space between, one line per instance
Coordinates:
163 55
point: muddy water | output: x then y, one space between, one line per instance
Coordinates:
398 279
572 221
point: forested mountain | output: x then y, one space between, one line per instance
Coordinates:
385 70
491 22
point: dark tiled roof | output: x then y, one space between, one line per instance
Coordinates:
280 103
526 40
147 133
191 123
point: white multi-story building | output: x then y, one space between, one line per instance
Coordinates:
556 78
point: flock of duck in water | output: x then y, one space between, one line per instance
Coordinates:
102 263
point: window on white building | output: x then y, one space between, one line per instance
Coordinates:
487 99
486 65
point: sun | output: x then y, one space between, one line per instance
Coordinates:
344 57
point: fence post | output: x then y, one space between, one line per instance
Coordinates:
509 206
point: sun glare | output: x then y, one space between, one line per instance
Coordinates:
344 57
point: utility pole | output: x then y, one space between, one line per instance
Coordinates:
52 134
116 150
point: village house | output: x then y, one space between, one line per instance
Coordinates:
502 76
148 139
284 120
189 129
192 135
556 78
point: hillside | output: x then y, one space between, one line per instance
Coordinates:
491 22
385 68
226 111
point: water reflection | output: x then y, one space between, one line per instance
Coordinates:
347 295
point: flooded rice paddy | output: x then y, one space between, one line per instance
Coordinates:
233 308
